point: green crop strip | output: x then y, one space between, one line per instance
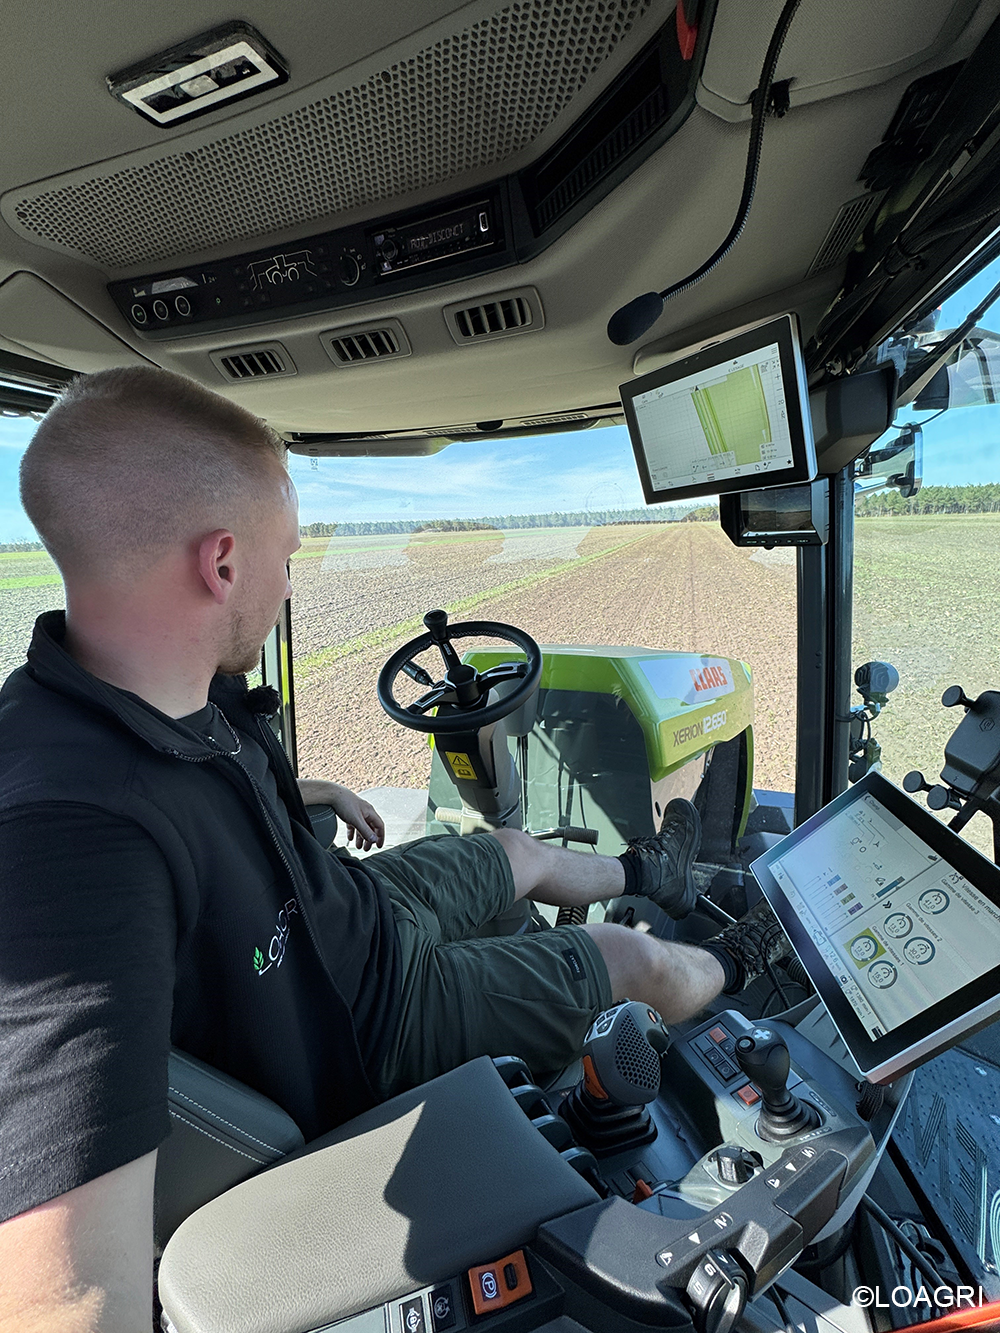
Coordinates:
30 581
387 633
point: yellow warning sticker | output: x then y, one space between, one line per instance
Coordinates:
461 765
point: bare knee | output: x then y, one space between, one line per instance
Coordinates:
677 980
632 957
523 854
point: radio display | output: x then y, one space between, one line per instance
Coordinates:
431 239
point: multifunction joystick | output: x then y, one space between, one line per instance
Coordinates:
621 1073
763 1057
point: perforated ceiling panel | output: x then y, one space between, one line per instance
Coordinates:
467 101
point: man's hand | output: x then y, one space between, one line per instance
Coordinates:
363 822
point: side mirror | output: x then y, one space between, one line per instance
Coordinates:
970 378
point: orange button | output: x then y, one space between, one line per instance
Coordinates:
748 1094
591 1082
497 1285
719 1035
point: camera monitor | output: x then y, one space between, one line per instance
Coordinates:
733 416
897 921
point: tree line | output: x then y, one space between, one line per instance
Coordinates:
983 498
589 518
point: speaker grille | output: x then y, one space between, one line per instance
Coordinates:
635 1059
467 101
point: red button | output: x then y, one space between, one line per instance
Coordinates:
748 1094
719 1035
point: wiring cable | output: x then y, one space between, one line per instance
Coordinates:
782 1308
904 252
891 1228
632 320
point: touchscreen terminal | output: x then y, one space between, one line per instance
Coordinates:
897 921
729 417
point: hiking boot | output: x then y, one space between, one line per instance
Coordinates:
661 864
754 943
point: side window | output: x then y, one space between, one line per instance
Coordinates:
926 575
29 581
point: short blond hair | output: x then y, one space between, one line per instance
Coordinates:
128 462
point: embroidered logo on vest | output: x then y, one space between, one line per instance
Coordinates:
279 940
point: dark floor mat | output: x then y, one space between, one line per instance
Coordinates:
949 1135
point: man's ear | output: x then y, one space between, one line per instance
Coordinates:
215 563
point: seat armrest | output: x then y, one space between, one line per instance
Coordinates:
412 1192
221 1131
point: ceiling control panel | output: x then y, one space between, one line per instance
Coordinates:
408 251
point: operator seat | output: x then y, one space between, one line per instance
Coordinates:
221 1132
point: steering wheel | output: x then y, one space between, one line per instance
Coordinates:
463 686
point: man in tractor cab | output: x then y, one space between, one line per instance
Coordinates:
161 883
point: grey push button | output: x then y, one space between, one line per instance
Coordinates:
442 1308
411 1316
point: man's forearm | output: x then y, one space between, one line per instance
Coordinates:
83 1262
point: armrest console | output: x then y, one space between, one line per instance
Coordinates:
422 1187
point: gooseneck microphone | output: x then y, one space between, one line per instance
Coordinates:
632 320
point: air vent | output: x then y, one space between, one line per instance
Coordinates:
498 316
847 225
364 343
254 363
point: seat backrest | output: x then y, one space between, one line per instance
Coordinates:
221 1133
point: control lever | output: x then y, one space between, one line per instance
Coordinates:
764 1059
621 1073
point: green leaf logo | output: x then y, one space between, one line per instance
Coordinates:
258 960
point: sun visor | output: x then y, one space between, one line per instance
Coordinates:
36 316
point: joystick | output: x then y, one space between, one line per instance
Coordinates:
763 1057
621 1073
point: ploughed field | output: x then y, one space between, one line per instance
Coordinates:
927 599
679 586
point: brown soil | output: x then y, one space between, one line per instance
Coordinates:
682 587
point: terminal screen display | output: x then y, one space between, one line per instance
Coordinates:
727 418
895 919
899 927
729 422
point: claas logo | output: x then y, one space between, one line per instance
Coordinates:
710 678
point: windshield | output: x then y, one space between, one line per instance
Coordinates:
547 533
29 581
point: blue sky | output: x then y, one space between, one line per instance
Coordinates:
580 470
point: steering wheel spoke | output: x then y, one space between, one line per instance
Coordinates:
503 671
442 693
